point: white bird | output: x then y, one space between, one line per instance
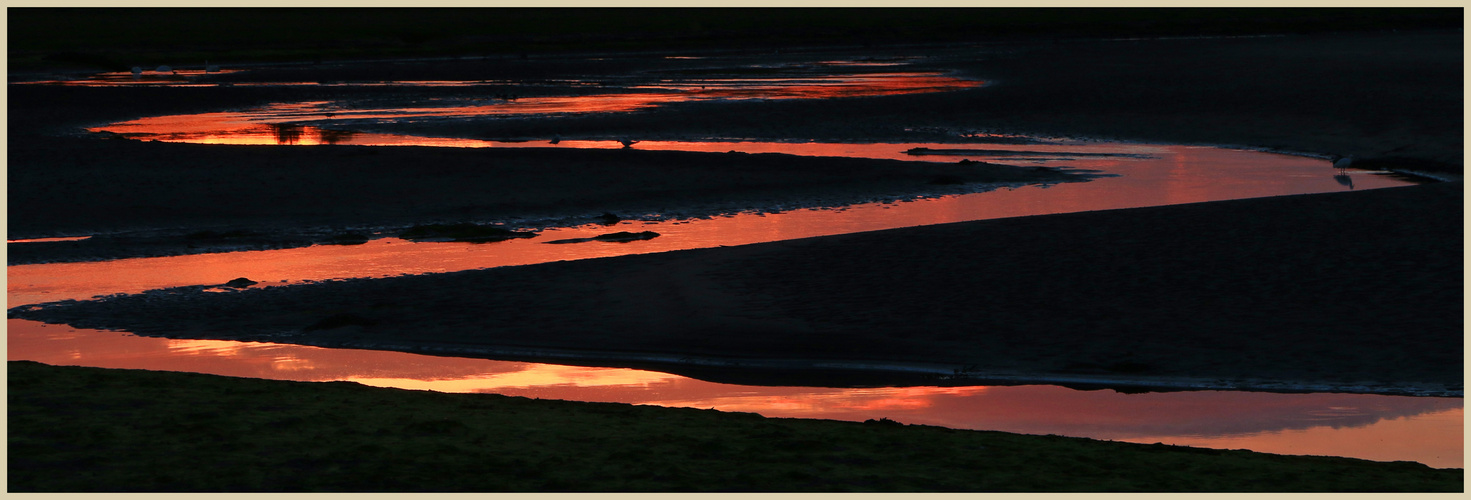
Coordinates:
137 72
556 138
1341 163
164 69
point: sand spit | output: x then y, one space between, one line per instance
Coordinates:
1359 289
138 203
1343 292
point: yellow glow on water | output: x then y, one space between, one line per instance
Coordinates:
1427 430
532 375
205 347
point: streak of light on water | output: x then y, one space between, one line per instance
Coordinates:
1363 426
284 123
49 240
1149 175
1427 430
1385 428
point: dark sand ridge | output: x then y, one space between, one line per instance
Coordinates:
1344 288
1392 98
1371 95
152 195
1341 291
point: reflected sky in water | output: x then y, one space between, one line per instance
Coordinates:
1427 430
255 126
150 77
1148 175
1365 426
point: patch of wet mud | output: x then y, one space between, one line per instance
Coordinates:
1046 303
261 198
1307 111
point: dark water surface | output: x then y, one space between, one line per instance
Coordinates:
1146 175
1426 430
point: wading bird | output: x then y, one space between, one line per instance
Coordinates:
1341 163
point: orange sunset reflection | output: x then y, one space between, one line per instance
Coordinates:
251 126
152 77
1421 429
1157 175
1427 430
532 376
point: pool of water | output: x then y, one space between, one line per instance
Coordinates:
1426 430
331 122
1366 426
1147 175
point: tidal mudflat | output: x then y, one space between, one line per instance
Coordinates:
1137 178
962 239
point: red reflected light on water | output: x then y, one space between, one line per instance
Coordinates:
1374 427
49 240
1168 175
173 78
252 126
1422 429
1427 430
825 87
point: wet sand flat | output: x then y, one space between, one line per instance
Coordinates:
1347 289
64 186
1344 290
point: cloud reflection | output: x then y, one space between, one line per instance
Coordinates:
285 120
1354 425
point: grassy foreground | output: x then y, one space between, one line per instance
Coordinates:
93 429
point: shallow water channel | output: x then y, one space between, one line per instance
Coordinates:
1426 430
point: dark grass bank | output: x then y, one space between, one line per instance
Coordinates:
1372 93
74 429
